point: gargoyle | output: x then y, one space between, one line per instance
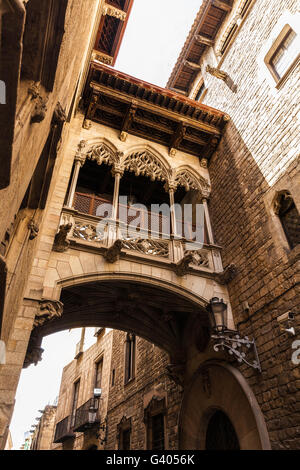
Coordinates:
227 275
61 243
113 253
182 267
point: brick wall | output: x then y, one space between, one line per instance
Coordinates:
258 156
130 400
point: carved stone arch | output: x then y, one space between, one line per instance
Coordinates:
190 180
103 152
145 161
213 387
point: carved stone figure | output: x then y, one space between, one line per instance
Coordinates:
40 110
49 310
59 114
34 230
227 275
182 267
61 243
33 356
113 253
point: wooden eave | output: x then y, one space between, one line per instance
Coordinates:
111 31
133 106
202 35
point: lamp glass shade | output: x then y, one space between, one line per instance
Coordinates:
218 313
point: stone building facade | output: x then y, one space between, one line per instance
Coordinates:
128 405
256 163
238 162
42 437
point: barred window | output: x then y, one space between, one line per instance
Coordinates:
129 357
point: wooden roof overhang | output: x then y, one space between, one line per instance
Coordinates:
133 106
111 30
202 35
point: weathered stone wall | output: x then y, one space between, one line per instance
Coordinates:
28 144
131 399
43 436
83 368
258 156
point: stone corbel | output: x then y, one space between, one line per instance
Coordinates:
61 244
113 253
227 275
40 110
182 267
33 229
221 75
48 311
59 115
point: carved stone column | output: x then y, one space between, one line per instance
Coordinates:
79 162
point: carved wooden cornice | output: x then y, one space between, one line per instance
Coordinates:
115 12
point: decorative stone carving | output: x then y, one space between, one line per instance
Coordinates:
87 124
88 232
148 246
61 244
182 267
197 258
40 110
33 356
115 12
34 230
49 310
34 90
123 136
217 73
227 275
204 163
176 373
221 75
113 253
59 115
104 58
146 164
102 154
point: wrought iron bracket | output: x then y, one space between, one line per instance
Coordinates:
236 346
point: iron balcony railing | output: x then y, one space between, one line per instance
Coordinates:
63 430
87 415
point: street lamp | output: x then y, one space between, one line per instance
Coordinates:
229 340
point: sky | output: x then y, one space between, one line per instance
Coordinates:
154 37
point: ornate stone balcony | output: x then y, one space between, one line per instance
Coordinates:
114 239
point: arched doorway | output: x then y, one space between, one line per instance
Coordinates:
220 411
220 433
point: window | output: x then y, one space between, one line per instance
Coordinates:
75 402
129 357
154 418
113 376
283 54
201 91
158 432
124 433
288 214
98 373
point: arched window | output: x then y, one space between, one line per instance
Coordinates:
220 434
288 214
129 357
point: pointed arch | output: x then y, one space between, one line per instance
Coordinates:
146 161
102 151
188 178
